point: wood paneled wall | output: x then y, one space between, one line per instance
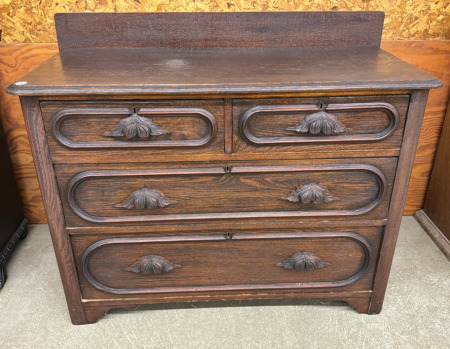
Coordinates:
433 57
18 59
15 61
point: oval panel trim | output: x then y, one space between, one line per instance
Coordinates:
58 119
388 108
90 251
83 176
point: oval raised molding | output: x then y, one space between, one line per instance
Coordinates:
58 119
296 138
90 251
75 182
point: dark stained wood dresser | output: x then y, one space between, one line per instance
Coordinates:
215 156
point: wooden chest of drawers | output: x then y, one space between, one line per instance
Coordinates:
192 157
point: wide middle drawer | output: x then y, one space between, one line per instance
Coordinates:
325 189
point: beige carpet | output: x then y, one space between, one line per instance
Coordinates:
416 311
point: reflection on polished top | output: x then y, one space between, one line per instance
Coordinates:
221 70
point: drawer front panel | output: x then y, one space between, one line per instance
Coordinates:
151 195
110 128
319 125
166 264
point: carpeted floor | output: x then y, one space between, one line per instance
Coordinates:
416 311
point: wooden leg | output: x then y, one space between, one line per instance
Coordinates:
361 305
375 308
95 312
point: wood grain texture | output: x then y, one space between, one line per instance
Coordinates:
211 262
152 72
402 178
95 309
433 232
204 193
433 57
195 127
18 59
437 202
32 20
262 125
179 63
242 29
228 126
53 209
15 61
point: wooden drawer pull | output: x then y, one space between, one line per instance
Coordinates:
151 264
311 193
146 198
136 126
317 123
303 261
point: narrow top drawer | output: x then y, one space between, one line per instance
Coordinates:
358 125
124 131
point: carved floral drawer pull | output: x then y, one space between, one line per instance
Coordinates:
311 193
303 261
151 264
136 126
146 198
320 122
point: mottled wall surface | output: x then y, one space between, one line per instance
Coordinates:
32 20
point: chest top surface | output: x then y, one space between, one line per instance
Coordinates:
220 54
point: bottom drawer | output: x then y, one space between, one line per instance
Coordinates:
221 262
